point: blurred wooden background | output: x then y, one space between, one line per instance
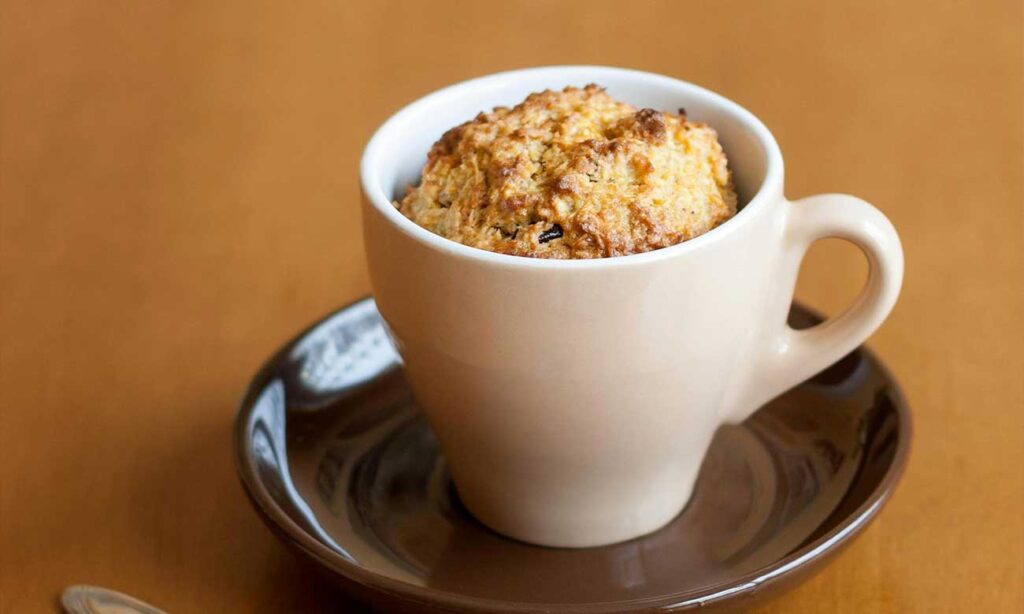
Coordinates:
179 196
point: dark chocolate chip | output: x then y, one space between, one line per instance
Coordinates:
554 232
682 112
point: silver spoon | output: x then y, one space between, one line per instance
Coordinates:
85 599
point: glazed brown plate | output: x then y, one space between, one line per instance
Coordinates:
340 463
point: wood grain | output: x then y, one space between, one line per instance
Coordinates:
179 195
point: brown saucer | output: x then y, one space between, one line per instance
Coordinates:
341 465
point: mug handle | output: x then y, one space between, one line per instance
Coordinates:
786 356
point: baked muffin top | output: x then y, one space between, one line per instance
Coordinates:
573 174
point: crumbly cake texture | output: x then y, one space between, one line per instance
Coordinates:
573 174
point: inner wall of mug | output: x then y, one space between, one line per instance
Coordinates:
407 137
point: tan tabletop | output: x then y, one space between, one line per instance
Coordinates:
179 196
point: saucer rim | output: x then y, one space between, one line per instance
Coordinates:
790 569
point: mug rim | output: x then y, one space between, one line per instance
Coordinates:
374 192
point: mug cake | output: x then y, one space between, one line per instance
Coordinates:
573 174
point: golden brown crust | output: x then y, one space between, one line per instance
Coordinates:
573 174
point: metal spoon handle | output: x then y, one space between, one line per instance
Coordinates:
85 599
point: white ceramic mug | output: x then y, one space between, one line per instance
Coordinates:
574 400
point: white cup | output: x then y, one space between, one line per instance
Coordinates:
574 400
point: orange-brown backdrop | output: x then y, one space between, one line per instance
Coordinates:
179 195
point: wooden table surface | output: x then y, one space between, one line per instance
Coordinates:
179 196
